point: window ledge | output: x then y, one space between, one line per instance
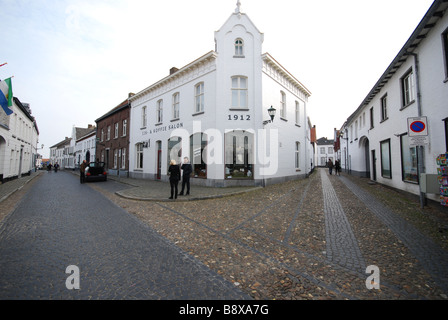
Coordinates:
198 113
239 109
384 120
411 182
143 128
158 124
284 119
410 103
176 119
239 57
446 80
298 125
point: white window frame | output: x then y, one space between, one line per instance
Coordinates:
297 155
116 130
139 156
123 158
297 113
199 97
384 115
176 103
239 47
283 105
241 92
408 89
144 117
160 111
125 127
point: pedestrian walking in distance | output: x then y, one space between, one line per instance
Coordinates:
337 166
330 166
174 172
187 169
82 171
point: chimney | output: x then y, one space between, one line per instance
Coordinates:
90 126
173 70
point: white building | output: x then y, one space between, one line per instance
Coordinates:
85 145
375 140
215 111
19 137
325 152
60 153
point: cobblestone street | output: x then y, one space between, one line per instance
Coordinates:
311 239
306 239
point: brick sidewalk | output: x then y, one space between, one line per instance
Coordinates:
8 188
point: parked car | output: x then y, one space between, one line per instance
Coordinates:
96 171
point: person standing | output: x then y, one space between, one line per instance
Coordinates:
187 169
82 171
337 166
174 172
330 166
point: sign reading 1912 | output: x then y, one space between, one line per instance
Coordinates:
237 117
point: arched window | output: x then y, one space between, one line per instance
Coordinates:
239 48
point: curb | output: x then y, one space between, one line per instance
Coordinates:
184 199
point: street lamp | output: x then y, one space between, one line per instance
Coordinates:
271 112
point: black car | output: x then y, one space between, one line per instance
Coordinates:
96 171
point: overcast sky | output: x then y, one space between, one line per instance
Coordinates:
74 60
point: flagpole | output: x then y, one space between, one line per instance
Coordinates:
1 65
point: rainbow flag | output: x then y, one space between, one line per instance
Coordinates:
6 95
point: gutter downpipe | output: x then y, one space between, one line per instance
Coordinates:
420 153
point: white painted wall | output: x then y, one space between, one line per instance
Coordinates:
434 97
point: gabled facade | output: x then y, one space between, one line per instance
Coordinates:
85 147
325 151
72 152
215 112
374 141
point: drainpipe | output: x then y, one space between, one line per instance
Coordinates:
420 153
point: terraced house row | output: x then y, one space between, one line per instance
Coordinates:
397 133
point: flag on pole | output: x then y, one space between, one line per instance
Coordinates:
6 95
1 65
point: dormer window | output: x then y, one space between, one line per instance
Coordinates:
239 48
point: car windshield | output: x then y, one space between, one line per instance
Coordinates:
96 164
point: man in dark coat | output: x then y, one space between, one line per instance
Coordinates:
187 169
174 172
330 166
82 171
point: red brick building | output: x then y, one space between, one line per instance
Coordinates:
112 145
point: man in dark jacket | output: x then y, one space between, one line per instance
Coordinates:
174 172
187 169
82 171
